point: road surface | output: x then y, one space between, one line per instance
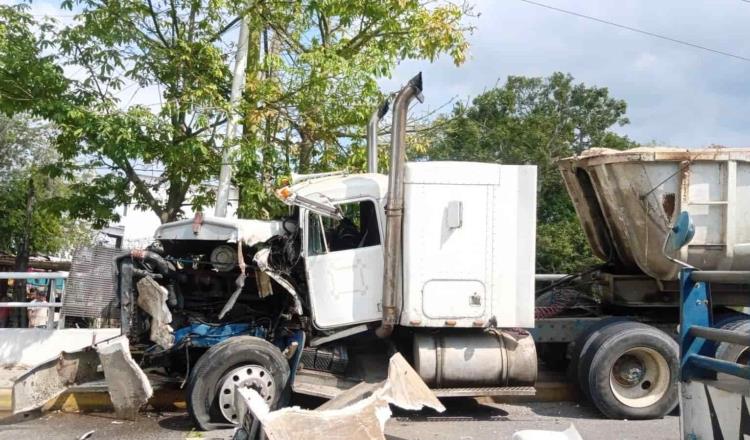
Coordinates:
465 419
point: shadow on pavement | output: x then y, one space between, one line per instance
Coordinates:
570 410
177 422
456 409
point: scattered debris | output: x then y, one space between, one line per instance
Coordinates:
127 384
152 298
358 414
87 435
50 379
537 434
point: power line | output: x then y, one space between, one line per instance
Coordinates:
640 31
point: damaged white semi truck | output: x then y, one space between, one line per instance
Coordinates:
435 260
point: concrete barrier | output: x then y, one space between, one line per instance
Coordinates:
24 348
27 347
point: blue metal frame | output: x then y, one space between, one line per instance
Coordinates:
696 353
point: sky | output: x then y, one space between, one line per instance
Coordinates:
676 95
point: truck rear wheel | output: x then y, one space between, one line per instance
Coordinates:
238 361
733 352
629 370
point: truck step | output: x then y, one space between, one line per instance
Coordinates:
484 391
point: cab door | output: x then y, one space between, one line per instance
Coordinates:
344 260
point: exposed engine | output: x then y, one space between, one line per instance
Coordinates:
195 293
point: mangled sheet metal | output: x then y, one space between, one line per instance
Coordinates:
152 298
344 417
128 386
261 260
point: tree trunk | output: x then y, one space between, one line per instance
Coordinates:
22 257
305 153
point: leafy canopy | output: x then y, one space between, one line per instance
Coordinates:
30 198
310 86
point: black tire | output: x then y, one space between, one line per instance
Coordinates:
656 354
581 344
589 348
733 352
217 362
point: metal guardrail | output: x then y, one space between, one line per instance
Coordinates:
51 304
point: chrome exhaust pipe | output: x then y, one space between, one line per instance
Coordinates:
372 137
394 209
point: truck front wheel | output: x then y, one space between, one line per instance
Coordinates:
242 361
630 371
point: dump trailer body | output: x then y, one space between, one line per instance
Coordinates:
627 200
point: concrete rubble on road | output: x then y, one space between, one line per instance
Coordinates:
127 384
357 414
537 434
50 379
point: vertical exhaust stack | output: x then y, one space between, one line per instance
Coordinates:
372 137
394 210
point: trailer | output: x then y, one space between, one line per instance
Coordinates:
619 347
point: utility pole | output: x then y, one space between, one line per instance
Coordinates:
229 149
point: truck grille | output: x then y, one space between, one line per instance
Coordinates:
90 288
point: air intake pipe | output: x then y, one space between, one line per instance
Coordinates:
372 137
394 209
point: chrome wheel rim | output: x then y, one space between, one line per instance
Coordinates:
245 376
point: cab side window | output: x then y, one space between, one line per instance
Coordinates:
316 244
358 228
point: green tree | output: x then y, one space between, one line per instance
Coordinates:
310 85
535 121
33 219
315 82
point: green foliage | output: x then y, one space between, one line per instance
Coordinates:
27 74
310 86
30 197
535 121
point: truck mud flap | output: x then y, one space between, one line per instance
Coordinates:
358 414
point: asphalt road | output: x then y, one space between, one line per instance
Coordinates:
465 419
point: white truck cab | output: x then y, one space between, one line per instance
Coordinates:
468 245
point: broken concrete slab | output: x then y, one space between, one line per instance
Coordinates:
128 386
537 434
152 298
364 420
50 379
358 414
406 389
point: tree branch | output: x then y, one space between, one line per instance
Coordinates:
155 19
141 188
